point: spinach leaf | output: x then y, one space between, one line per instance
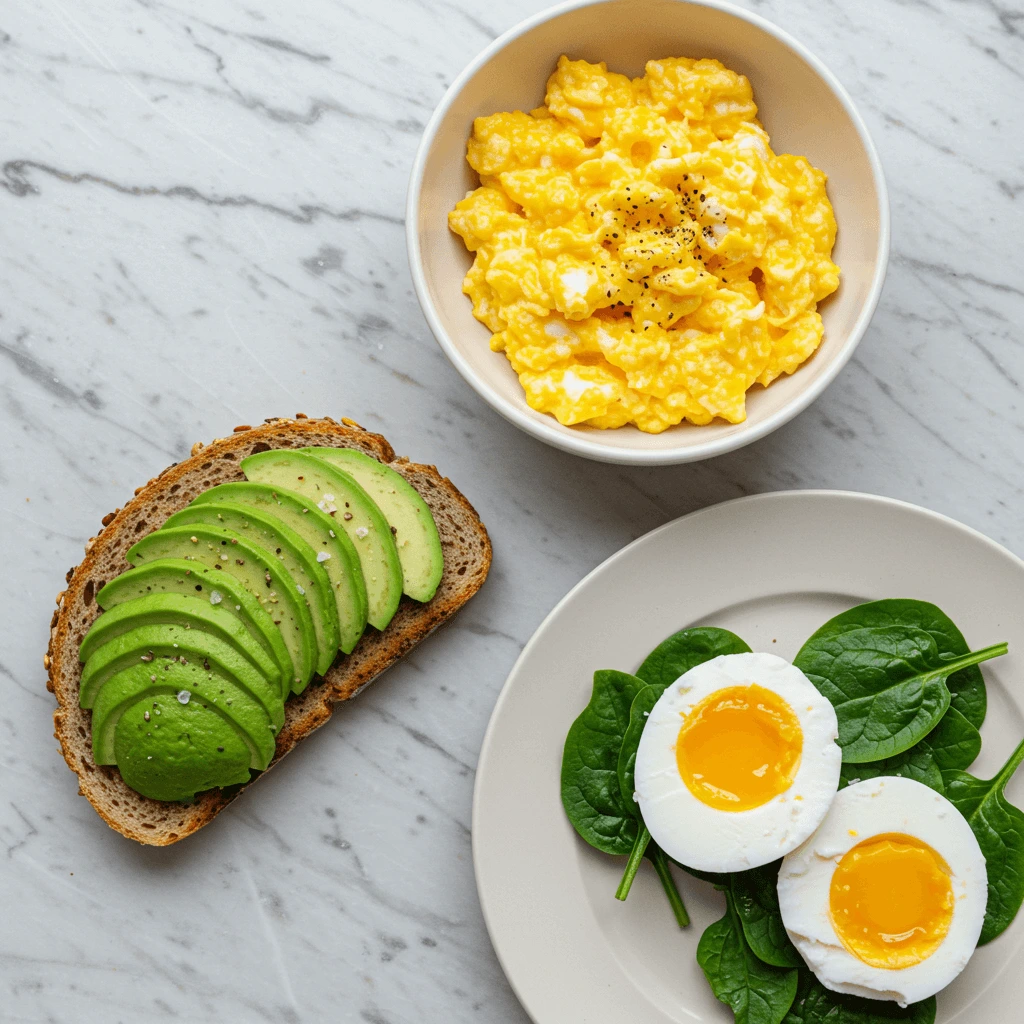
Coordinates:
719 881
967 686
686 649
999 827
917 764
643 704
591 793
815 1004
953 743
757 992
887 684
755 896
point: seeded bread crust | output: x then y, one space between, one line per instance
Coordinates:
467 559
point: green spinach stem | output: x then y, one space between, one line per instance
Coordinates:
1009 768
974 658
633 864
660 862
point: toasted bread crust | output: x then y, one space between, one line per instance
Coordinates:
467 558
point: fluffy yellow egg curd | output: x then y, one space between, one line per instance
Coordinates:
739 748
891 901
642 256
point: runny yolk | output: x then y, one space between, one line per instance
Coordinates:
739 748
891 901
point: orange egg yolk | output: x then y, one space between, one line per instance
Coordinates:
891 901
739 748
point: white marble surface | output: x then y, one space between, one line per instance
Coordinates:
201 225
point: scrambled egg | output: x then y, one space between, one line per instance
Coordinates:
642 256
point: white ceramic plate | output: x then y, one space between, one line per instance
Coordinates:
772 568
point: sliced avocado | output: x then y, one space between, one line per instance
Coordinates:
258 569
336 493
297 557
194 749
415 533
210 688
165 644
177 576
187 612
318 530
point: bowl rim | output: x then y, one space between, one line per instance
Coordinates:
580 444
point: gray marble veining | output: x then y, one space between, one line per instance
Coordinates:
201 212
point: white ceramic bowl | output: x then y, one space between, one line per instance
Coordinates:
800 103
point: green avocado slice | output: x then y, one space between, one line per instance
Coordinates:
167 643
195 749
258 569
337 494
318 530
411 522
191 579
210 688
187 612
297 557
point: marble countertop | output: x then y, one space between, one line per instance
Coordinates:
201 210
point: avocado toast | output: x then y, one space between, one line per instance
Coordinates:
164 820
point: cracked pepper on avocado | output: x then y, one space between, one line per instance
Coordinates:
641 254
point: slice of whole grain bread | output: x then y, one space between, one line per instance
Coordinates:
467 558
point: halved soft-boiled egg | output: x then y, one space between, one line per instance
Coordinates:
738 763
887 899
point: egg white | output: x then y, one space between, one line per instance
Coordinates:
866 809
710 839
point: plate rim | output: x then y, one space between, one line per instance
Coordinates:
649 537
